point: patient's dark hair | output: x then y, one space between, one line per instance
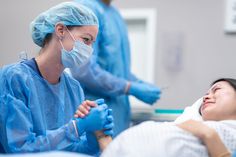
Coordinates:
231 81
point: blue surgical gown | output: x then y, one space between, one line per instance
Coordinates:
108 71
234 154
36 115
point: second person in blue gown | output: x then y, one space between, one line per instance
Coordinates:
108 73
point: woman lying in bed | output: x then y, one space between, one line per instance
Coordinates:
214 137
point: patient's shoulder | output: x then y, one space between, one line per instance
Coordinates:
222 126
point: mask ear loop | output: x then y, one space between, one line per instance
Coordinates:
61 43
70 34
60 37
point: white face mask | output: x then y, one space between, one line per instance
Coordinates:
76 57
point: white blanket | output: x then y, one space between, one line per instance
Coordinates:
152 139
191 112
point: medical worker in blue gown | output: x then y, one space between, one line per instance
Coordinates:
38 100
108 72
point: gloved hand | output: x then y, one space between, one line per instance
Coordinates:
145 92
108 128
99 101
95 120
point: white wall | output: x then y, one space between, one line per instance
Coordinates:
15 17
207 52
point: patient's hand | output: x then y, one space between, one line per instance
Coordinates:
84 109
209 137
197 128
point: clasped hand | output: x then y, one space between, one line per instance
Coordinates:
92 116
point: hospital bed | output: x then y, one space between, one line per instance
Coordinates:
158 115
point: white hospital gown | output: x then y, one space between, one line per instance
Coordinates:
152 139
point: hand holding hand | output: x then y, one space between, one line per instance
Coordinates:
100 138
95 120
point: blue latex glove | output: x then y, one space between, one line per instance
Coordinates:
108 128
234 155
92 142
145 92
95 120
99 101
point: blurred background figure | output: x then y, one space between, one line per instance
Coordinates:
108 73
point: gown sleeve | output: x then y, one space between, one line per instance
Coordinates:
97 80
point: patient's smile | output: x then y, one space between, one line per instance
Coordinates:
207 102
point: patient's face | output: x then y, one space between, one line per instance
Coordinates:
219 103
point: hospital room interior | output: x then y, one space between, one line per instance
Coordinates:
181 47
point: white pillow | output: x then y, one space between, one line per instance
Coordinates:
190 112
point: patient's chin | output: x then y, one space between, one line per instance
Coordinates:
206 116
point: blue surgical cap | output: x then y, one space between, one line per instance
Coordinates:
67 13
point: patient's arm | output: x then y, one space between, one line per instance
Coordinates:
209 136
103 140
